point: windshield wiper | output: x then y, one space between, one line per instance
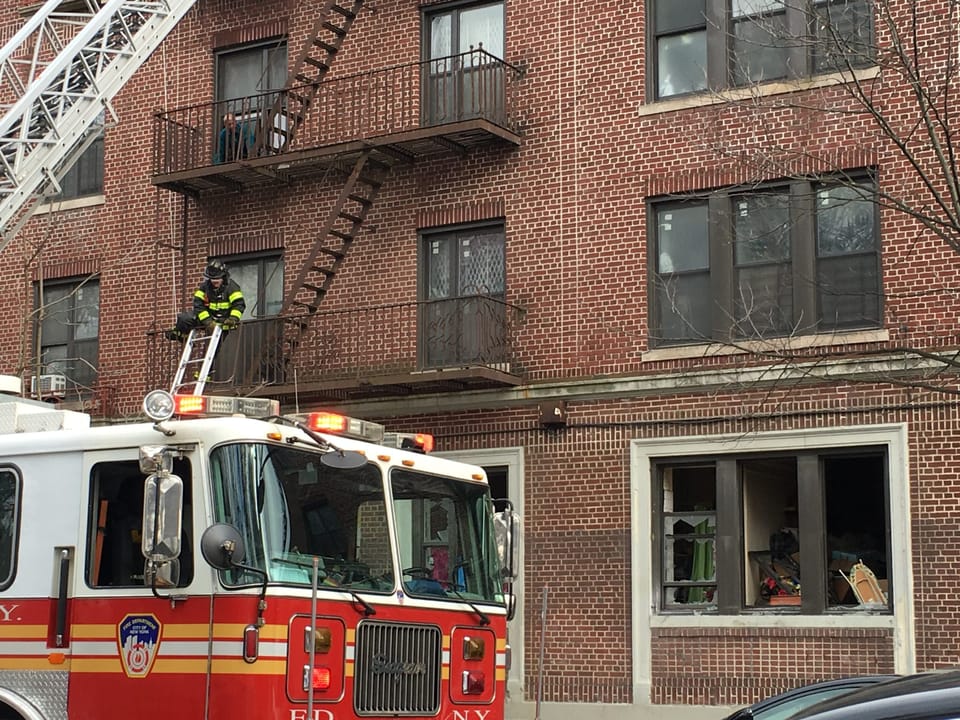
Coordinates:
368 609
484 619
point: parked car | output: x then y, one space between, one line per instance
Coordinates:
787 704
925 696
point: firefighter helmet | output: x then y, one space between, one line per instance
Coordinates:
215 270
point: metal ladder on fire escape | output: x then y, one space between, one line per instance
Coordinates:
346 217
57 75
196 340
315 58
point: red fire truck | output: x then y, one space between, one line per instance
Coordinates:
206 564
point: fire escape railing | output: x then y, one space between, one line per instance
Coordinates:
378 341
373 104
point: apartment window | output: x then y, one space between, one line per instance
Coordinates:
465 81
69 328
801 257
9 524
725 43
463 316
754 532
245 74
261 280
86 175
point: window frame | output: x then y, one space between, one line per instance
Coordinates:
804 261
255 304
800 57
13 471
728 538
90 162
72 284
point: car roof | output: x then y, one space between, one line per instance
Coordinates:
930 695
817 688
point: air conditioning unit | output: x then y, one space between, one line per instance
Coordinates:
50 386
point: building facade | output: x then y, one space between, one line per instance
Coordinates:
680 275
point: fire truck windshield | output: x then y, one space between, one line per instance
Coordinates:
290 508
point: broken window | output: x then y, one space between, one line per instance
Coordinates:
803 530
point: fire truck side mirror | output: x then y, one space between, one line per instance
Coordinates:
162 517
222 546
506 524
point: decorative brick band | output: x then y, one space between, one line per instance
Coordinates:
464 213
271 239
250 33
759 168
73 268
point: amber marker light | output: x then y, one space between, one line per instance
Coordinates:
473 648
56 658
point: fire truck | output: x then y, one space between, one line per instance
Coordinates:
221 560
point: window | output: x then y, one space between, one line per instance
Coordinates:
245 73
248 81
114 557
69 327
9 524
463 318
261 280
760 531
708 43
258 345
466 80
797 258
86 175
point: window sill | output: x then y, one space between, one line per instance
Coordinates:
70 204
773 346
707 97
860 619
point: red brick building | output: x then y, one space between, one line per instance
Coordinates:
661 267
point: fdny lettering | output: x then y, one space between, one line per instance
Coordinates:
318 714
6 611
469 715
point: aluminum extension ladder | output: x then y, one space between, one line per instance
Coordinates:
189 358
58 74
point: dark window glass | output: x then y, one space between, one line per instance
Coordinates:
9 521
681 40
848 278
752 41
463 316
69 331
763 299
683 273
750 263
86 175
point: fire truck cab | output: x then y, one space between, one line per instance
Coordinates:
292 567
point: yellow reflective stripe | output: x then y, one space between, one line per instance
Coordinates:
235 296
236 313
202 315
219 305
200 294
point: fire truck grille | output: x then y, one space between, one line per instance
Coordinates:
397 669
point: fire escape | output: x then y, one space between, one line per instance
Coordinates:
356 128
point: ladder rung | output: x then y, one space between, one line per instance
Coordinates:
347 13
336 254
316 289
319 64
346 237
310 308
307 80
360 199
331 49
350 216
335 29
323 270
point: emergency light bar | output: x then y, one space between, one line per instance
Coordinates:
160 405
334 424
217 406
415 442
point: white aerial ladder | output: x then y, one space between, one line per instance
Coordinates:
58 74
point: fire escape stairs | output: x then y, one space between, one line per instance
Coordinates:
312 64
328 253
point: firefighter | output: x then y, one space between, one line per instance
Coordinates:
218 300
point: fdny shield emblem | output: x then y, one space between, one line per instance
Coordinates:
139 638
